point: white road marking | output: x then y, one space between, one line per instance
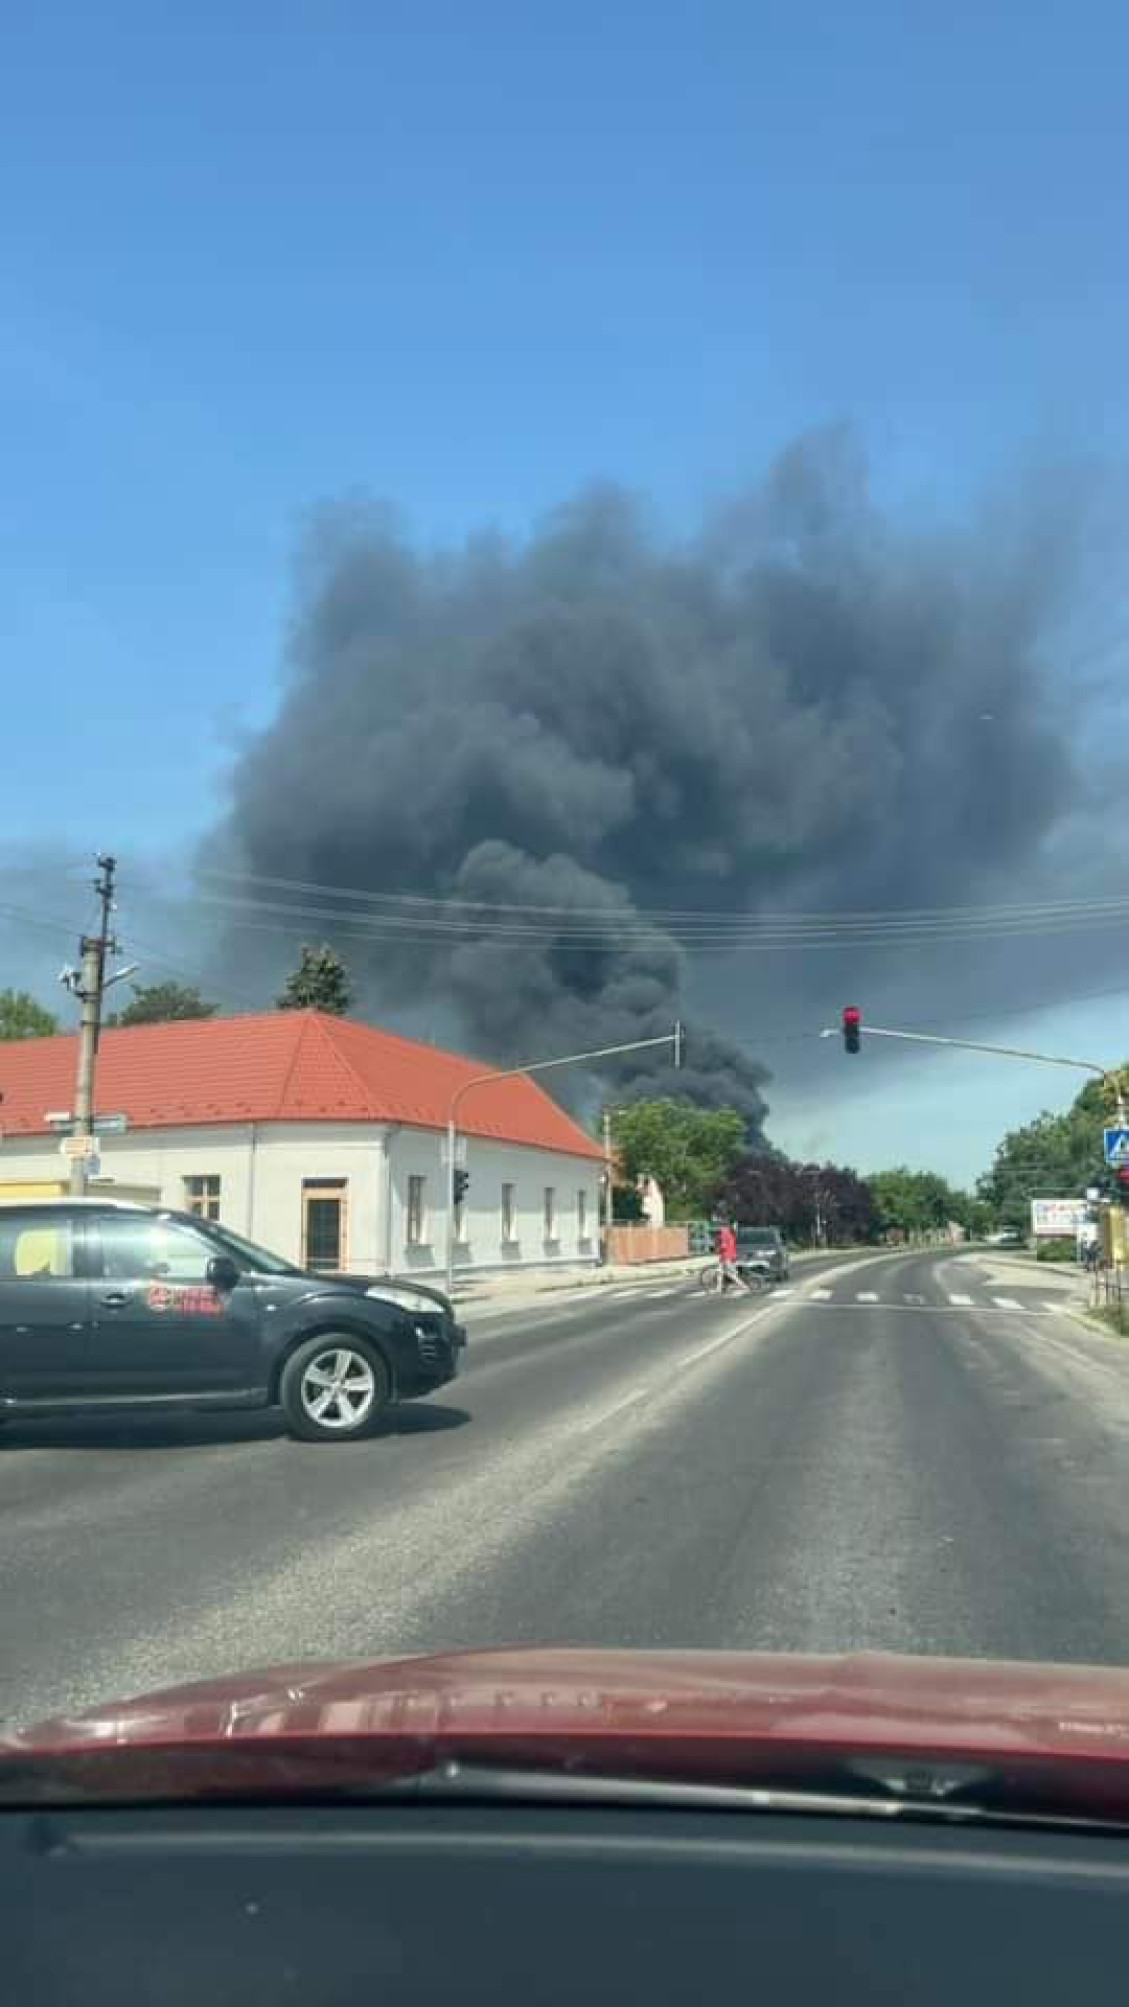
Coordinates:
821 1296
703 1351
617 1408
790 1291
960 1299
866 1296
913 1299
1006 1303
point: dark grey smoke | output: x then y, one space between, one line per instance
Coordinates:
800 708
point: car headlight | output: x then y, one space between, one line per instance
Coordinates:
406 1299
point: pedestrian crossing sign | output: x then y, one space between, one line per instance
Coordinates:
1116 1147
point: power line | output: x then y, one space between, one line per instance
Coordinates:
754 934
452 907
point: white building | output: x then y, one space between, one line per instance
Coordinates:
321 1138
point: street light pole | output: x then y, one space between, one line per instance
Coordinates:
673 1038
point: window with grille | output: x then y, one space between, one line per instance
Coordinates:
202 1196
417 1211
550 1212
509 1212
582 1215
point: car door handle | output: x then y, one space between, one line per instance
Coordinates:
117 1299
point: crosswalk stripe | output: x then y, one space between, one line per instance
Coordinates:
1006 1303
913 1299
821 1296
790 1291
866 1296
964 1300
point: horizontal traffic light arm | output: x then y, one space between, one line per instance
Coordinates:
974 1045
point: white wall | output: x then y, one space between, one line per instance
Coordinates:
262 1167
490 1165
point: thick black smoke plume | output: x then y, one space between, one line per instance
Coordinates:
798 708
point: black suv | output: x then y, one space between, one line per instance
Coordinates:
106 1305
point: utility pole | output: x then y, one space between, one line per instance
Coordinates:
88 983
609 1206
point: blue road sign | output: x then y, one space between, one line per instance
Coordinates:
1116 1147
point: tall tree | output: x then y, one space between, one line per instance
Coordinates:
22 1017
690 1151
803 1200
1055 1156
320 982
163 1003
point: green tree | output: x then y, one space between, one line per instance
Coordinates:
22 1017
917 1202
320 982
1055 1156
163 1003
690 1151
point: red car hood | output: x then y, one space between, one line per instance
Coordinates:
693 1716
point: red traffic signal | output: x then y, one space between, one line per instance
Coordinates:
852 1027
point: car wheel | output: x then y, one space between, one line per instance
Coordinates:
334 1388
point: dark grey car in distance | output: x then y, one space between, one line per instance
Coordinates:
763 1247
106 1305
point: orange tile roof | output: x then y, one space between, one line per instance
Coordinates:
280 1066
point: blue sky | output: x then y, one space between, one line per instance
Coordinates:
468 256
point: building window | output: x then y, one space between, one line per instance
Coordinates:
509 1213
550 1212
202 1197
417 1212
582 1215
324 1246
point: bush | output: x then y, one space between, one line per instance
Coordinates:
1056 1250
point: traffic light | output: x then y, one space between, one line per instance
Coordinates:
852 1027
462 1181
1123 1183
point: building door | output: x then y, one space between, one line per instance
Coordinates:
324 1246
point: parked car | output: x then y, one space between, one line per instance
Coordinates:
1008 1236
763 1246
108 1305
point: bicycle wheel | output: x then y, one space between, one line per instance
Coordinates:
710 1278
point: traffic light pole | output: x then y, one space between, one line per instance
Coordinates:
1000 1052
673 1038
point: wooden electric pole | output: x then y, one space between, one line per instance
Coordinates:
89 987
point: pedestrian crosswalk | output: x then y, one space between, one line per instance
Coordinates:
842 1296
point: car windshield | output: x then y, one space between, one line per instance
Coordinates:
247 1254
566 676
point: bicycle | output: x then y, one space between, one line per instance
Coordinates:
712 1279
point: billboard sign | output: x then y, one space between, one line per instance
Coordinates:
1058 1219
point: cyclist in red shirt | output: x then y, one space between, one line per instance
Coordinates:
727 1255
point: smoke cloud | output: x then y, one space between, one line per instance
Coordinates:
800 707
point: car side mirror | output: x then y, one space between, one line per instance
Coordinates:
222 1273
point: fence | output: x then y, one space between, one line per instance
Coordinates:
1109 1293
647 1243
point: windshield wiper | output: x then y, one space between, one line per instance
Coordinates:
309 1773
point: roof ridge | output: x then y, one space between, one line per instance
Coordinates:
327 1024
299 1040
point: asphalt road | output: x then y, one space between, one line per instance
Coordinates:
909 1452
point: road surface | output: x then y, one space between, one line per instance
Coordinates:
903 1452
